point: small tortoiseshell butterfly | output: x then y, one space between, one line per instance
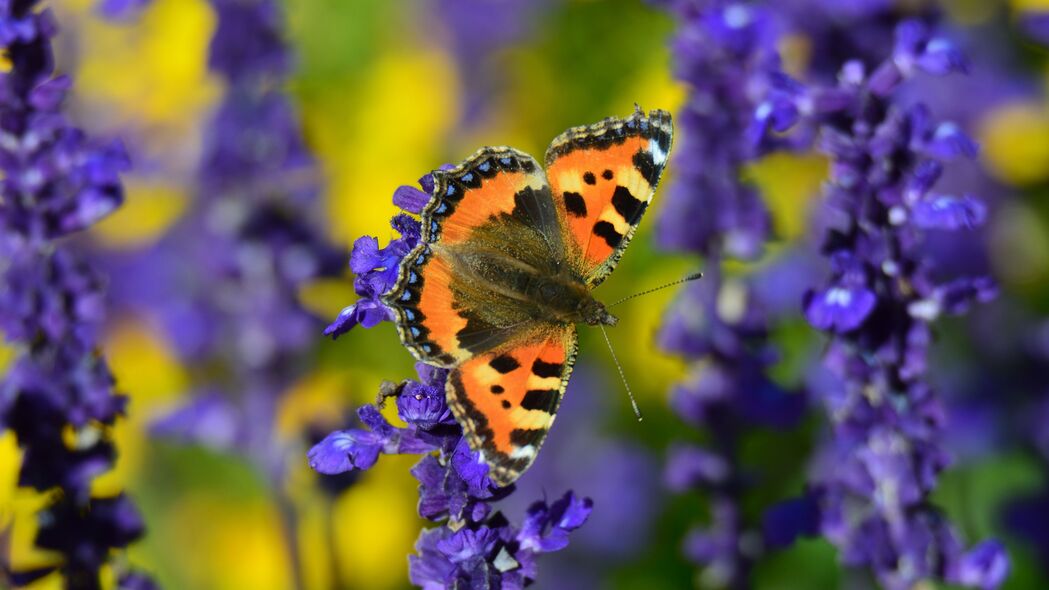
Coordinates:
505 268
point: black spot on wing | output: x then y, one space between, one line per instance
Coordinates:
647 167
607 231
506 405
540 399
497 389
589 178
478 335
607 175
627 205
544 369
504 363
575 204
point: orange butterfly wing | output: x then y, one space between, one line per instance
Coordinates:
442 316
455 304
506 400
602 178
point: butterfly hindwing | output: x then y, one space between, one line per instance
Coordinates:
602 178
506 399
493 207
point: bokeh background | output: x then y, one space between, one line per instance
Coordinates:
386 91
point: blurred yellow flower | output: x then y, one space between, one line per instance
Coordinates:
147 372
1015 139
154 72
150 208
378 132
228 543
788 183
376 526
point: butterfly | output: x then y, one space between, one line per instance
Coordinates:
509 254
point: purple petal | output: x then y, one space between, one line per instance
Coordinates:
472 470
838 308
942 57
410 198
949 142
984 566
332 455
949 212
365 255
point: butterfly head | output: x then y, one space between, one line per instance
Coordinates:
595 314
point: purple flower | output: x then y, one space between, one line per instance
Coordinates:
376 269
879 469
546 528
725 52
839 308
56 182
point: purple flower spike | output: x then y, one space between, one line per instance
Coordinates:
739 106
56 181
871 494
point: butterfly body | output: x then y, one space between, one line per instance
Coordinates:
504 271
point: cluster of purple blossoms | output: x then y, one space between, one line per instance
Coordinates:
725 52
223 283
872 490
58 394
475 547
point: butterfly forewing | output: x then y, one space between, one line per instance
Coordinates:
602 178
493 208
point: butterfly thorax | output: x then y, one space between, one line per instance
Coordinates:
568 300
546 291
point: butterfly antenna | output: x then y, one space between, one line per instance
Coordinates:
691 277
630 394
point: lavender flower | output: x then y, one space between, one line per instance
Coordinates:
56 182
475 547
224 281
724 51
238 257
882 463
